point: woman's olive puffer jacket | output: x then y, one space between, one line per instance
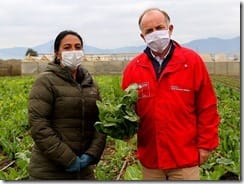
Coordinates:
62 113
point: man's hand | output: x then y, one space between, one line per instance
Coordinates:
204 155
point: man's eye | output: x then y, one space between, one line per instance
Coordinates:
159 28
149 31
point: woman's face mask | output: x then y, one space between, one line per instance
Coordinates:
158 40
72 59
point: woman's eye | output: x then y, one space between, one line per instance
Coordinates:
66 47
78 47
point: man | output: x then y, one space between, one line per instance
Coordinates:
177 105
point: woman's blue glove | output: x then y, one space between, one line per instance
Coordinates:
75 166
85 160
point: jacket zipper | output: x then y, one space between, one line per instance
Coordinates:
82 119
83 111
159 70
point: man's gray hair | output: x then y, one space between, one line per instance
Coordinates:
152 9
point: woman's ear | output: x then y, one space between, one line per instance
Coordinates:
58 55
57 58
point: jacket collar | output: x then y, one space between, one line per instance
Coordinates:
177 62
144 58
82 76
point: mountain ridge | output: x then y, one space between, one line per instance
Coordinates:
208 45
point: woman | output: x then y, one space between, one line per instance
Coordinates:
62 110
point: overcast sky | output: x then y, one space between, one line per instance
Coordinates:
112 23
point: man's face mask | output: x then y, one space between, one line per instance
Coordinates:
72 59
158 40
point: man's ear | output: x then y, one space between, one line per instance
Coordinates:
142 36
171 28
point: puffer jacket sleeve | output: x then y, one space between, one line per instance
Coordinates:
99 140
97 146
40 109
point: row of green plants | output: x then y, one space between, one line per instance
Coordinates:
119 161
15 142
227 156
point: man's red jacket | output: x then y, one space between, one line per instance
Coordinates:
178 112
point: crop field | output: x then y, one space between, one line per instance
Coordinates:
118 161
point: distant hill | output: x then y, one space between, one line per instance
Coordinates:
13 53
48 48
215 45
209 45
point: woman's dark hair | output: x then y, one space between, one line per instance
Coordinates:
60 37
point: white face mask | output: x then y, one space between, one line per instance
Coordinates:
158 40
72 59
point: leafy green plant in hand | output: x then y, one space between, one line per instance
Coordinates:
118 118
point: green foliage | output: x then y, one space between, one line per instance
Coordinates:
133 172
111 166
13 113
16 143
14 126
117 115
227 156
